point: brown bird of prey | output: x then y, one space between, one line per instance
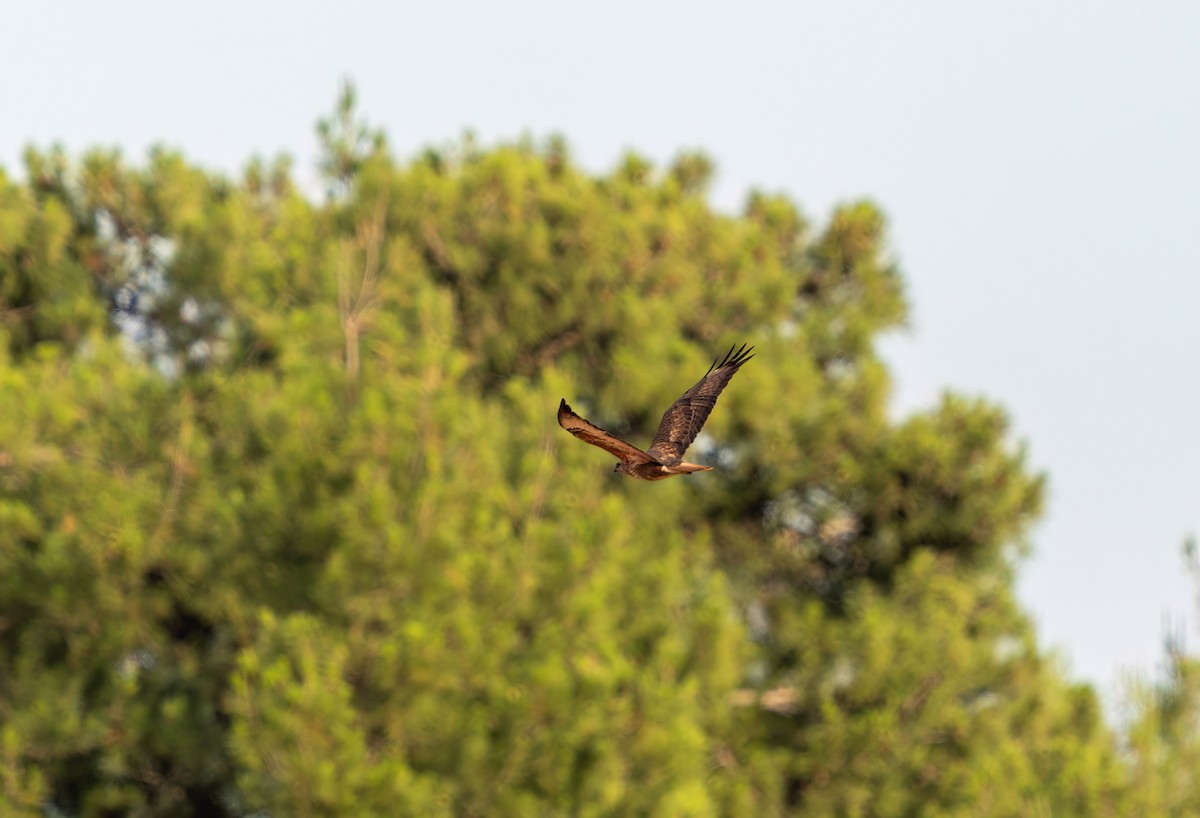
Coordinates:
678 428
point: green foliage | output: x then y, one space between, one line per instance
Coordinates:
931 699
287 526
1163 735
1163 741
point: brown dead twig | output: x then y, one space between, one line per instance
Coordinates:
357 309
782 700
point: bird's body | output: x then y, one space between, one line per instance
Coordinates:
678 428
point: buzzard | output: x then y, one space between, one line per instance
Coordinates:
678 428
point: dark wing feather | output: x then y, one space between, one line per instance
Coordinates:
683 421
590 433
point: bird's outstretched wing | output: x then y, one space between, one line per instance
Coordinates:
590 433
682 422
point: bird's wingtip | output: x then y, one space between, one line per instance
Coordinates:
736 359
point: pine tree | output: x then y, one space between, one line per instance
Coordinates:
287 526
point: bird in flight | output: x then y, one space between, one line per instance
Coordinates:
678 428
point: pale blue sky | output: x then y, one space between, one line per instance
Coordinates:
1040 164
